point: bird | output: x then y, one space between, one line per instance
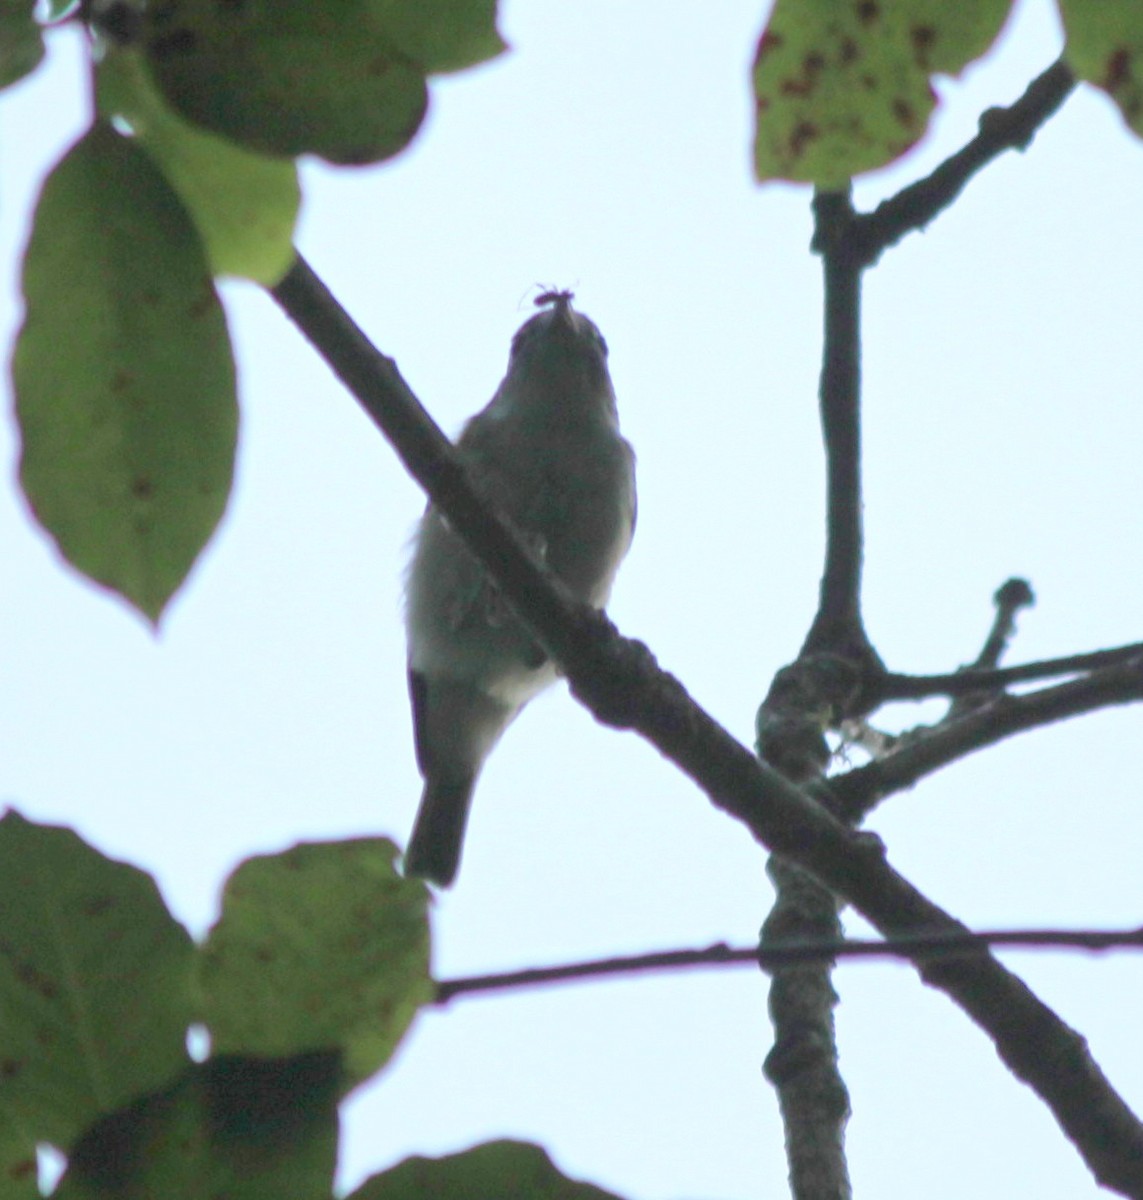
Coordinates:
547 453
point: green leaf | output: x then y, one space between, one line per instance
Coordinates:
502 1170
18 1165
323 947
441 35
244 205
57 9
240 1130
1105 47
95 981
123 374
21 41
288 77
843 87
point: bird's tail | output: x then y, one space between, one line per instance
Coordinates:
434 847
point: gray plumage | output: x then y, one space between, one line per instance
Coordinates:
548 453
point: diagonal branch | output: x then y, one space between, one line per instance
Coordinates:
858 791
619 681
893 686
1001 129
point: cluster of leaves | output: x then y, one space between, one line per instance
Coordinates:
304 987
844 88
123 372
306 984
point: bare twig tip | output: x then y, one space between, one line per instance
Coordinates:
1014 594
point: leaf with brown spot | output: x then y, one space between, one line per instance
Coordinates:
123 372
95 981
322 947
843 86
1105 47
18 1166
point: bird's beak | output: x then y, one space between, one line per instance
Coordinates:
563 315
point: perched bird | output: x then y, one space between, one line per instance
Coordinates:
546 452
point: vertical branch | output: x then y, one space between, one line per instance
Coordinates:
817 692
837 627
803 1065
837 675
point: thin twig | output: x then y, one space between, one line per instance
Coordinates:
619 681
772 956
1001 129
1010 598
893 686
858 791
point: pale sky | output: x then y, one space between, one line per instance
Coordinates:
608 153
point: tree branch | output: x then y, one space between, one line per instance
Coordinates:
1010 598
1001 129
857 792
802 1064
836 676
771 956
618 680
893 686
849 243
837 627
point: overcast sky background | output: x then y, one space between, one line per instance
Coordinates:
608 152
